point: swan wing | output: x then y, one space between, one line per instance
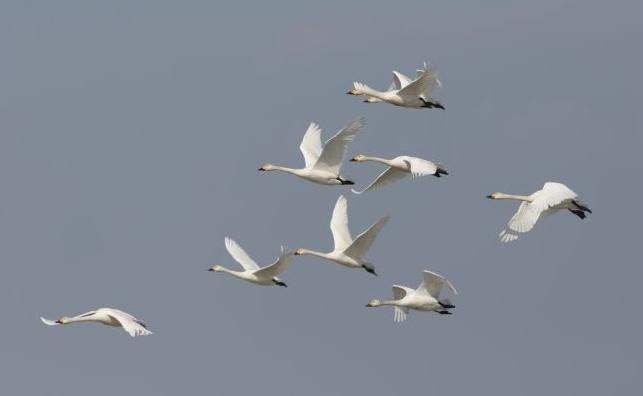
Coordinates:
423 83
399 291
334 150
48 322
339 225
278 266
385 178
399 81
420 167
240 255
365 240
528 213
432 284
311 146
130 324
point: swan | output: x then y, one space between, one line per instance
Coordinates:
348 252
552 198
425 298
403 92
107 316
322 163
398 168
265 276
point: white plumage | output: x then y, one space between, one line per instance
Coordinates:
265 276
398 168
348 251
425 298
107 316
550 199
323 163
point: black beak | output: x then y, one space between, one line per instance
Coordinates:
59 322
365 101
210 269
490 196
261 169
352 160
349 93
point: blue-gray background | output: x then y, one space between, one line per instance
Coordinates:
130 135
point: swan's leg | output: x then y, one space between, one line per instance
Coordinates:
369 270
581 207
444 312
578 213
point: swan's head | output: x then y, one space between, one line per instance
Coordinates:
353 92
267 167
374 303
215 268
496 195
299 252
358 158
63 320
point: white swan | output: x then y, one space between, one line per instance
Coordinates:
552 198
416 93
425 298
265 276
107 316
322 164
348 252
398 168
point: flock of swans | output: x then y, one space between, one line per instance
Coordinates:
323 165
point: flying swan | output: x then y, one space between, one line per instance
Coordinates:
552 198
398 168
107 316
322 163
348 251
252 273
425 298
404 92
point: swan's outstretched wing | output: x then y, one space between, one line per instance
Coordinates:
278 266
365 240
420 167
528 213
131 325
399 292
240 255
339 225
311 146
334 150
49 322
399 81
432 284
385 178
423 84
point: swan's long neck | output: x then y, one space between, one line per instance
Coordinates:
377 159
81 319
313 253
390 302
231 272
525 198
286 169
365 89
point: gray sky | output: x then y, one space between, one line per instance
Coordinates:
130 135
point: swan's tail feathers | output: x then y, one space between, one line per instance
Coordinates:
399 314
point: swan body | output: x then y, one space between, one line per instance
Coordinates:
107 316
550 199
425 298
266 276
323 163
348 252
403 91
398 168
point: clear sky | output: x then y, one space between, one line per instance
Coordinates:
130 137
